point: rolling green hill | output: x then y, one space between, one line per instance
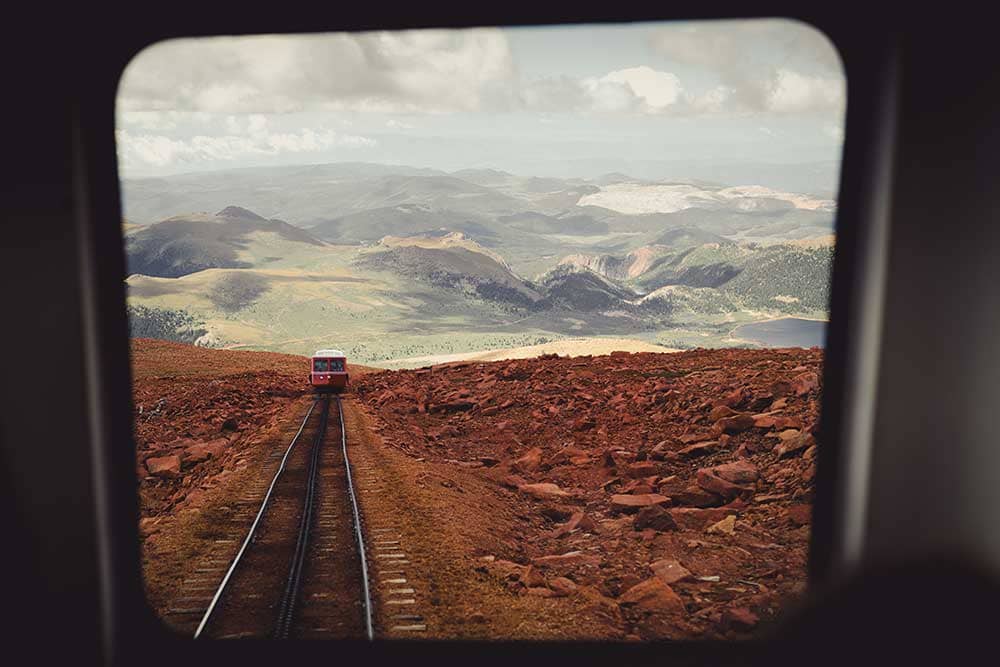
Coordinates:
395 263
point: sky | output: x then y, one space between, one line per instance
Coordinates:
645 98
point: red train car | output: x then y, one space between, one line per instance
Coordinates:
328 372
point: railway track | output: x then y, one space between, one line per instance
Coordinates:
301 571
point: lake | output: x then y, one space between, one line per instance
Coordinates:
784 332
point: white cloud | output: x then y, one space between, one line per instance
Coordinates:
657 90
256 124
712 101
772 65
629 90
428 71
642 89
156 150
794 92
394 124
161 121
563 93
757 66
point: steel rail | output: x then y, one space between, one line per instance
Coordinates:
253 527
286 610
369 632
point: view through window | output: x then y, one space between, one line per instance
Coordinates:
486 333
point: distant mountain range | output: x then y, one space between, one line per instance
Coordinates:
378 255
307 196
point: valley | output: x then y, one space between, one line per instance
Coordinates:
398 265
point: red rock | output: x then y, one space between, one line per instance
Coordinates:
713 483
168 467
633 503
736 397
540 591
698 519
543 490
459 405
531 577
670 571
796 443
203 451
805 383
639 487
720 412
737 472
724 527
570 454
800 514
735 424
771 421
562 586
569 558
739 618
696 497
654 517
653 596
514 481
660 450
781 388
578 521
765 420
507 569
147 525
529 462
642 469
760 402
556 512
698 449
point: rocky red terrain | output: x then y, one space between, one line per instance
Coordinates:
672 491
198 416
621 496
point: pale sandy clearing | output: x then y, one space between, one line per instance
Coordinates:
572 347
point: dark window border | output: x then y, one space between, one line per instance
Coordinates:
105 611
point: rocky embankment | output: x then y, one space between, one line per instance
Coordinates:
199 415
672 491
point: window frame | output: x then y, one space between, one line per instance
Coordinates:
129 628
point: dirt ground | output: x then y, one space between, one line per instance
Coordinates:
205 424
627 496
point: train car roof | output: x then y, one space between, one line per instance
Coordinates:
329 353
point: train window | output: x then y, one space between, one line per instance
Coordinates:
583 294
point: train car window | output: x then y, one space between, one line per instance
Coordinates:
583 293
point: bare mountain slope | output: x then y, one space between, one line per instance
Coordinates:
190 243
452 262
